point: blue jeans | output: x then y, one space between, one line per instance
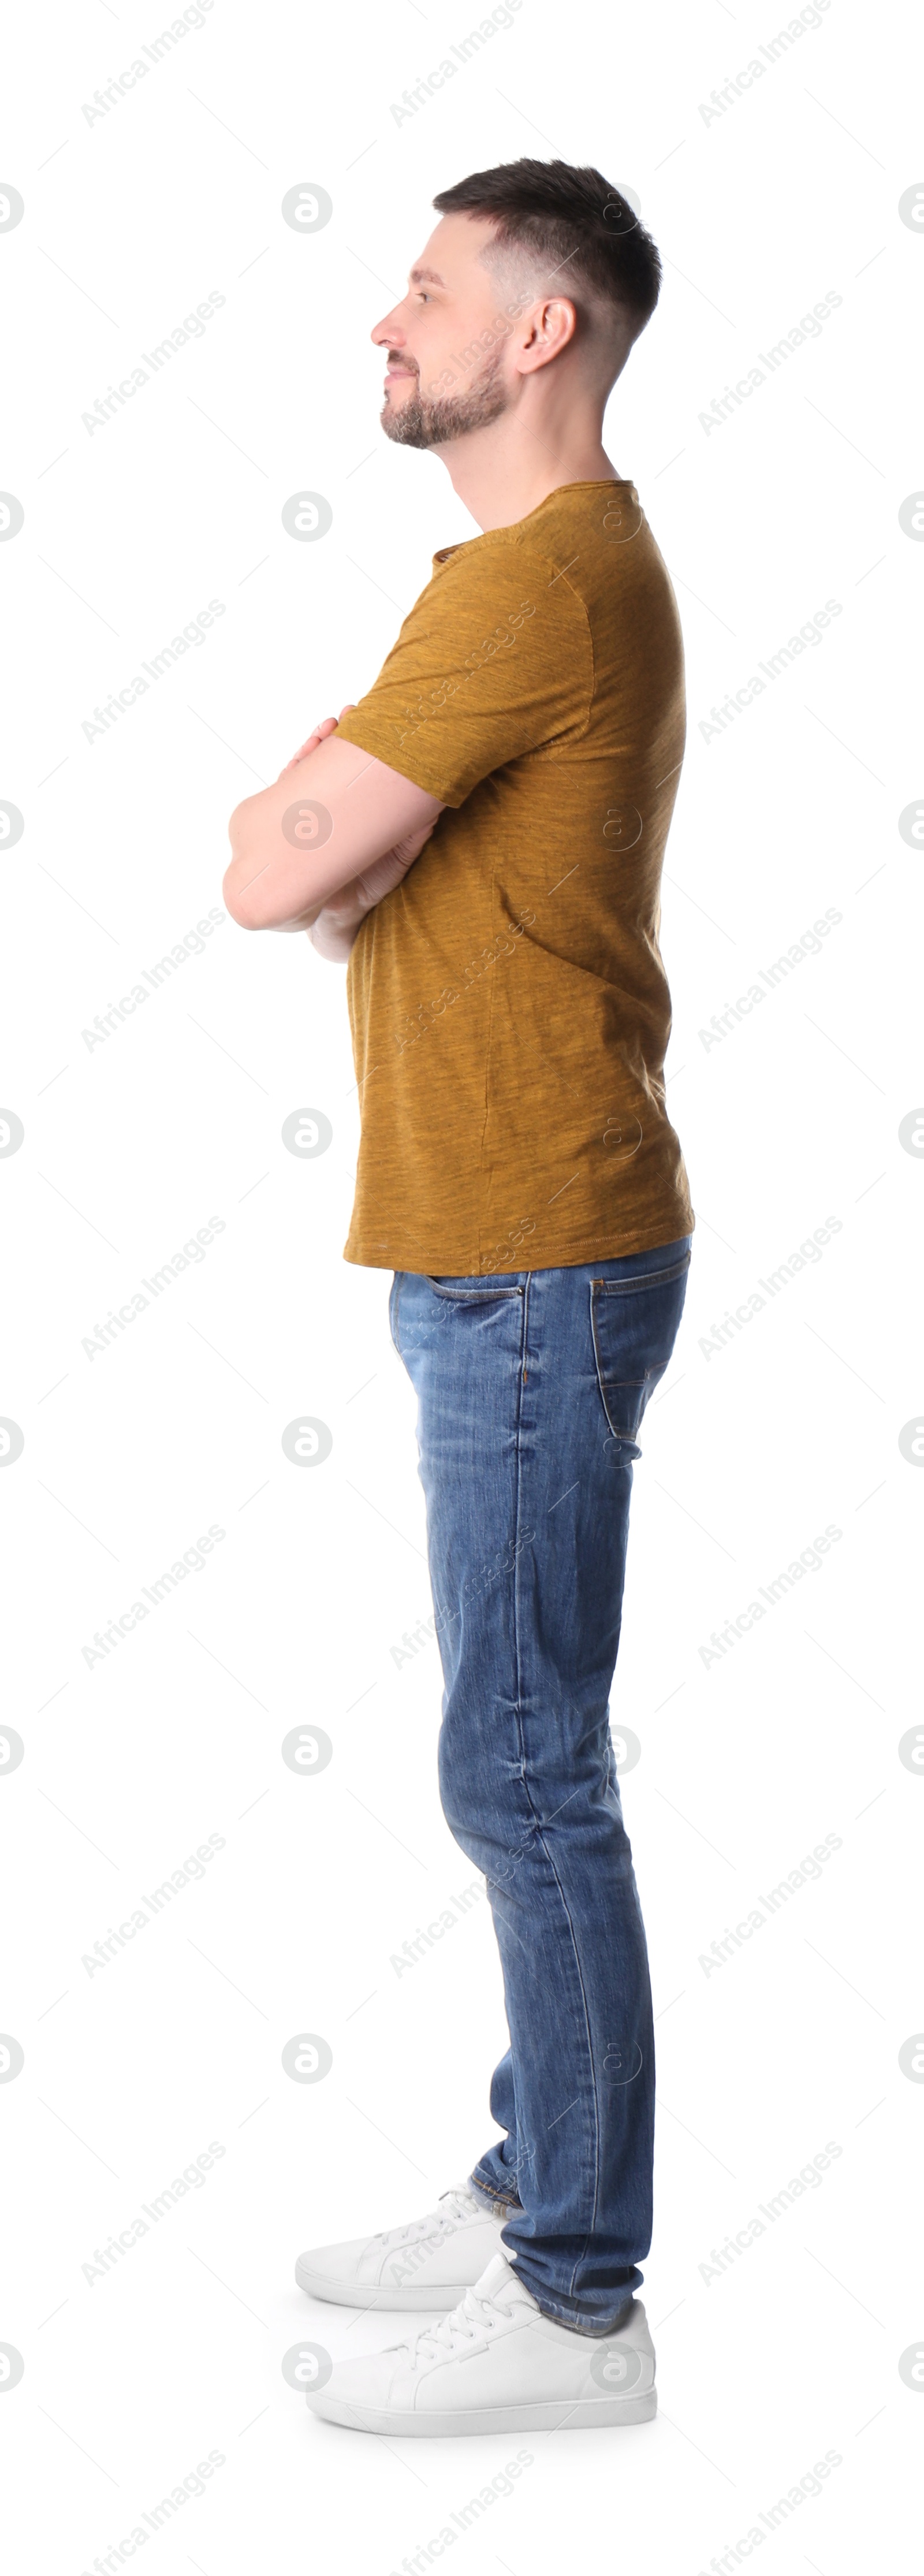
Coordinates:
531 1388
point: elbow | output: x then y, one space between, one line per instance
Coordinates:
241 884
237 896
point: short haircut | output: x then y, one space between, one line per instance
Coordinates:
572 222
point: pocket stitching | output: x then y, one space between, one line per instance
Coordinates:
470 1296
607 1387
642 1279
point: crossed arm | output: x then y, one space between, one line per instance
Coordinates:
318 849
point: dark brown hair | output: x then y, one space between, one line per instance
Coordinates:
573 220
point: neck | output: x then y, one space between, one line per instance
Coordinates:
504 470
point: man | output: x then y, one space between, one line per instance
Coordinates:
482 837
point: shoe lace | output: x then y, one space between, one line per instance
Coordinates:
470 2323
455 2206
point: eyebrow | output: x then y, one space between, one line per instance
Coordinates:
415 275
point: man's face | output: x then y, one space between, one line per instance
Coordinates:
448 341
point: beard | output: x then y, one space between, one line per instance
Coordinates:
422 423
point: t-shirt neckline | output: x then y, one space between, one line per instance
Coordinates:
588 483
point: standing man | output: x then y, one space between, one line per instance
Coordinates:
482 837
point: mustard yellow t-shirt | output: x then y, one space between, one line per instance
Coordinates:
508 1003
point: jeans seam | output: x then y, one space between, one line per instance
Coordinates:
536 1819
503 2199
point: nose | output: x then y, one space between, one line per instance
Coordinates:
388 334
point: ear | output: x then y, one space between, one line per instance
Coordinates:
551 329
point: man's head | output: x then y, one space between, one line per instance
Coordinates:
534 266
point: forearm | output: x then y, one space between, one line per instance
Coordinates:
316 832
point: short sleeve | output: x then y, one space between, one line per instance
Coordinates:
494 660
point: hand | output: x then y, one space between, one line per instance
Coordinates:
328 725
335 926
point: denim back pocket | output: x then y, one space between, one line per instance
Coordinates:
634 1319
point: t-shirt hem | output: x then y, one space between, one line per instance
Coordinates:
604 1244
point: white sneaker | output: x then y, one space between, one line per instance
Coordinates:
497 2365
423 2265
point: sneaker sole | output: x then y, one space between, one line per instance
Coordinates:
586 2415
415 2298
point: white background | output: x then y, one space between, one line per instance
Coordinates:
132 1145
